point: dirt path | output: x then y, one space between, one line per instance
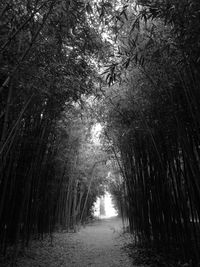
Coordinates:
101 245
98 245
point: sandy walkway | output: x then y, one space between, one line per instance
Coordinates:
98 245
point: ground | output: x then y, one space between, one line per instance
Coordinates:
99 244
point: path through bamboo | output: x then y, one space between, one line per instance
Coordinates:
97 245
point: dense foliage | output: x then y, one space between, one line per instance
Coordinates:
46 49
153 122
148 103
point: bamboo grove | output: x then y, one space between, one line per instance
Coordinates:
152 119
45 49
51 53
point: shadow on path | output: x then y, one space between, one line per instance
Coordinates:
99 244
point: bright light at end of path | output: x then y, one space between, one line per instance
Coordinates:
96 131
109 210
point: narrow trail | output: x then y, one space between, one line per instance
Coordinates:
99 244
